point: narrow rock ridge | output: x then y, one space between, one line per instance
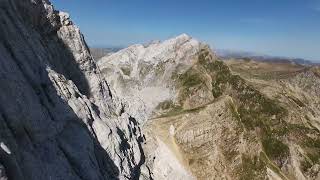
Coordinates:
58 118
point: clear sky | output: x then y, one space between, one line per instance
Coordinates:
274 27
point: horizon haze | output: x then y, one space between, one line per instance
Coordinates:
286 28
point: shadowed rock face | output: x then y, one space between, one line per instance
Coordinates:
3 175
58 119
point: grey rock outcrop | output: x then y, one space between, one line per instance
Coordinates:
58 118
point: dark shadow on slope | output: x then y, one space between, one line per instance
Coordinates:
60 57
39 127
136 134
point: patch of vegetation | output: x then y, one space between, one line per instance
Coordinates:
312 157
312 148
257 111
144 69
305 165
263 114
274 148
309 141
165 105
126 71
312 142
234 111
271 165
220 73
189 82
176 110
190 78
173 110
252 168
310 160
160 69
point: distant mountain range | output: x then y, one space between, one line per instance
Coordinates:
233 54
98 53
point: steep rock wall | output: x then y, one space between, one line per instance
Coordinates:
58 118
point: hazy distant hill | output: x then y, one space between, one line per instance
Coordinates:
98 53
231 54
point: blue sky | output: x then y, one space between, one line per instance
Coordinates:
274 27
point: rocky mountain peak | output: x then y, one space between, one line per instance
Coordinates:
183 37
145 73
156 51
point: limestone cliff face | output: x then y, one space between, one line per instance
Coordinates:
58 118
